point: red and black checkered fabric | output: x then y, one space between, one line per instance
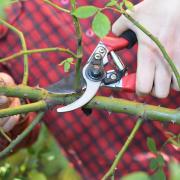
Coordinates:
91 142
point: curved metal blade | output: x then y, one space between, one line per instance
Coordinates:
91 90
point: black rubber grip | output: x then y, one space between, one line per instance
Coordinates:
130 36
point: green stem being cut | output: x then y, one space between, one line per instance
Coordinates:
48 100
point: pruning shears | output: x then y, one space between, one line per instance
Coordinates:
94 74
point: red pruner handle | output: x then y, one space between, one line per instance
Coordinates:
129 82
126 40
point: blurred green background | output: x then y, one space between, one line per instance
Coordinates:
42 161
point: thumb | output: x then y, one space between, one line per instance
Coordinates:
120 25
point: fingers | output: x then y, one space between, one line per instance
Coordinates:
153 73
8 123
162 80
145 70
12 121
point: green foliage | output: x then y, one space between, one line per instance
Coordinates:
173 139
125 4
159 175
5 171
85 11
153 164
136 176
156 163
3 5
32 175
174 171
49 158
67 64
68 174
101 25
151 145
128 4
160 160
120 5
111 3
73 3
42 161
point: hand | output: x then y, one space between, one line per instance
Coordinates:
7 123
161 18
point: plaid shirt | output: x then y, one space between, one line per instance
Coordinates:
90 142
